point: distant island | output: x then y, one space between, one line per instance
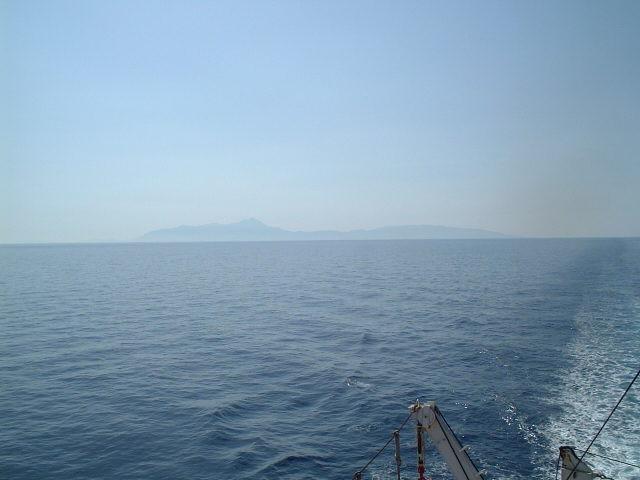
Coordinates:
254 230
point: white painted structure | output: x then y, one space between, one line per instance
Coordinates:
429 419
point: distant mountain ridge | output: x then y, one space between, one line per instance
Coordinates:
254 230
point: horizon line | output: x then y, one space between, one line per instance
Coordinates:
506 238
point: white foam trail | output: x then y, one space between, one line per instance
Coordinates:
603 358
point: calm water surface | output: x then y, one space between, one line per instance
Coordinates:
296 360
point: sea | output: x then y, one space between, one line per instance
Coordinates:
292 360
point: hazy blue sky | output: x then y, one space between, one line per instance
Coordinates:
121 117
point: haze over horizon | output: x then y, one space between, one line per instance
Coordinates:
124 117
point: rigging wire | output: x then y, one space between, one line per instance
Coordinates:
608 458
605 422
358 474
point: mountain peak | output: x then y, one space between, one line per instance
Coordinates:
252 229
251 222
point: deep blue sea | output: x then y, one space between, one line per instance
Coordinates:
296 360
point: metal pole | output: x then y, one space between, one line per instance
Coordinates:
420 451
396 437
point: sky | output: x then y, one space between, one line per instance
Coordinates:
121 117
